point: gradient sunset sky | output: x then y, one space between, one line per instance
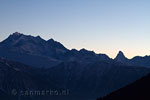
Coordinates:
104 26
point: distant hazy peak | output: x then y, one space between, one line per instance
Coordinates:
120 57
121 53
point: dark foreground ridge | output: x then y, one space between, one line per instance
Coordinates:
139 90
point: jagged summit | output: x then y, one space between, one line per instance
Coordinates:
120 57
17 33
20 38
121 53
32 44
31 50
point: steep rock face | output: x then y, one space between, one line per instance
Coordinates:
120 57
138 90
135 61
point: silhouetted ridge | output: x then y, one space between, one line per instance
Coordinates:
139 90
86 52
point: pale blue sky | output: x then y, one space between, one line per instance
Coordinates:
105 26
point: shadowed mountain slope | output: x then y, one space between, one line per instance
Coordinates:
88 81
139 90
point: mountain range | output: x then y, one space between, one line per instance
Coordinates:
135 61
31 63
35 51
